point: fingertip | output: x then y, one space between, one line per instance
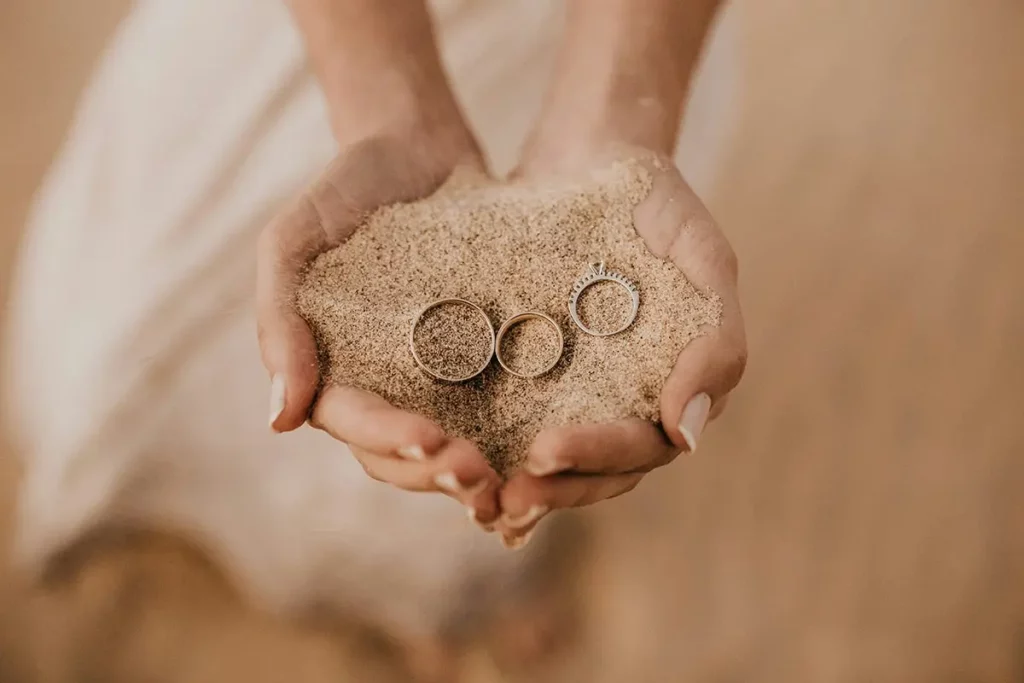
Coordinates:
519 492
468 462
364 419
711 365
549 451
415 437
421 438
290 400
290 355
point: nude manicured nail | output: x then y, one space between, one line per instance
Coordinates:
695 416
476 488
277 388
414 452
526 519
447 481
540 469
486 526
517 542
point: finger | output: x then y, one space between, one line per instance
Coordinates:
323 217
458 470
368 422
705 372
286 342
626 446
466 475
675 224
366 176
525 500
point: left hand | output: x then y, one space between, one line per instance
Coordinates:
577 465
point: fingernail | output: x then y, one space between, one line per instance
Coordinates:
450 483
486 526
540 469
276 398
517 542
447 481
695 416
414 452
476 488
525 520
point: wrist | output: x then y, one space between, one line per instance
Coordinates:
622 77
389 104
573 137
378 67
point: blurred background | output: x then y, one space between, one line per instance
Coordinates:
858 515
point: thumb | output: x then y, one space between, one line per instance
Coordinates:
676 225
287 345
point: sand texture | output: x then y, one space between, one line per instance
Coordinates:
508 248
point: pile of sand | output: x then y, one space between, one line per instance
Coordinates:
508 248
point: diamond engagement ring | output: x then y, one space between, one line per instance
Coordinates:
596 272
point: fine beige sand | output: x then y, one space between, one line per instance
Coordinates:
508 248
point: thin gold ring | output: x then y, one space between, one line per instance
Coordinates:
521 317
419 361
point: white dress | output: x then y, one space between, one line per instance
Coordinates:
136 382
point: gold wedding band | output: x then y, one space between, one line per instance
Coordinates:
433 373
515 320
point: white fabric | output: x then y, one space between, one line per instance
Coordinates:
137 384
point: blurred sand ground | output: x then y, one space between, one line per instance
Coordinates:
857 516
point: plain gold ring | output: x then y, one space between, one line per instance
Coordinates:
515 320
419 361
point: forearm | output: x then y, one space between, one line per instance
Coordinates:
623 73
378 65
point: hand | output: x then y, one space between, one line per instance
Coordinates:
394 446
579 465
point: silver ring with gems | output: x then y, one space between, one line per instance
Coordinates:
596 272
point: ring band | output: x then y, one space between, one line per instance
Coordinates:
596 272
521 317
423 366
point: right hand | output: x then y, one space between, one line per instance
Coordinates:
393 446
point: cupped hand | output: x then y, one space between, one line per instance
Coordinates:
578 465
394 446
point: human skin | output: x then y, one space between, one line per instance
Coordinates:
618 92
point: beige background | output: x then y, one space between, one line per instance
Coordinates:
857 514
